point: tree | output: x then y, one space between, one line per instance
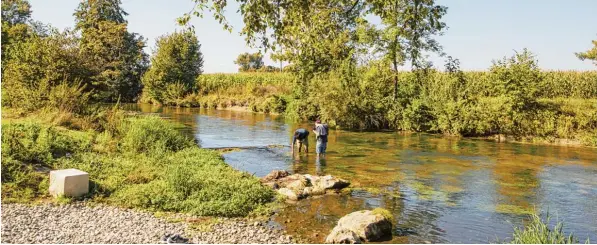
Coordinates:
175 65
589 54
249 62
408 28
39 64
16 14
114 55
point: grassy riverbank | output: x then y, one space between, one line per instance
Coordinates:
133 161
550 107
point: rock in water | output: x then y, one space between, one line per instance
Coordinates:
302 185
360 226
274 175
344 237
288 193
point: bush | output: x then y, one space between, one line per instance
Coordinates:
152 135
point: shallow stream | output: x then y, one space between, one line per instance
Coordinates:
440 190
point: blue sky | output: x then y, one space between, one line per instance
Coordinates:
479 30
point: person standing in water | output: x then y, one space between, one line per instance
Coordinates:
301 137
321 135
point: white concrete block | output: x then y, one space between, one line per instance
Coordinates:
69 182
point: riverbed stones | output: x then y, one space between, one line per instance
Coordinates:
360 226
302 186
79 223
68 182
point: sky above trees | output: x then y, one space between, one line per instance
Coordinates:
478 31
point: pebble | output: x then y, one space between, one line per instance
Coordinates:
78 223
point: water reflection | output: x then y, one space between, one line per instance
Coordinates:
439 189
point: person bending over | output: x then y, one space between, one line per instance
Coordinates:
300 137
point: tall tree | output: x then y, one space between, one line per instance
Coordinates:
249 62
589 54
408 31
175 65
114 55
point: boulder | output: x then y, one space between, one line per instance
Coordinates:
366 225
343 237
302 185
274 175
295 182
328 182
288 193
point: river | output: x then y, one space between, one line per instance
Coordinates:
440 189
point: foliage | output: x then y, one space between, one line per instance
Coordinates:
155 168
15 16
539 232
514 99
151 136
114 56
176 63
36 66
590 54
249 62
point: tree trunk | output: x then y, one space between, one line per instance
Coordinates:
395 79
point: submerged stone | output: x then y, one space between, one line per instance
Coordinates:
360 226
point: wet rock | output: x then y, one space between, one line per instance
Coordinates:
302 185
327 182
274 175
366 225
343 237
288 193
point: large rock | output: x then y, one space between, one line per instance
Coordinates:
69 182
302 185
356 227
327 182
274 175
295 182
288 193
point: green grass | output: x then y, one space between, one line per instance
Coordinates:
145 164
536 231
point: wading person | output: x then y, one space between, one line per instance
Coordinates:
300 137
321 135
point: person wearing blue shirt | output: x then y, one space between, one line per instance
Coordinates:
301 137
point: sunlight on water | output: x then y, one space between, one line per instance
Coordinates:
440 190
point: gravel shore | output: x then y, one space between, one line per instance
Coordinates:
77 223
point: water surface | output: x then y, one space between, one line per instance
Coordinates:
440 190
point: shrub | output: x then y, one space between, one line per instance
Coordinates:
152 135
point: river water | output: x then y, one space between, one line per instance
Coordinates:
440 190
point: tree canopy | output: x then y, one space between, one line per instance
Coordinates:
114 55
175 65
249 62
590 54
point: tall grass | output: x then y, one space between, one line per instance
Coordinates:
538 232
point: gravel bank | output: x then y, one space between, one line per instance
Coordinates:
77 223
